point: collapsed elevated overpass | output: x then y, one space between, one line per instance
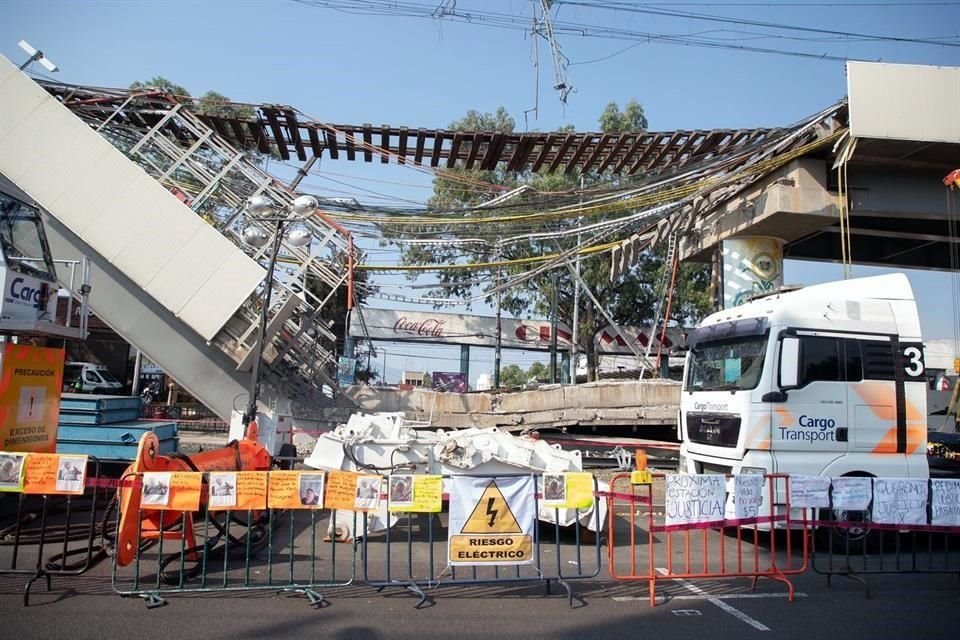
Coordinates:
180 287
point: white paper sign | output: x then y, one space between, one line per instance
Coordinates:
809 492
851 494
899 501
692 499
945 503
747 495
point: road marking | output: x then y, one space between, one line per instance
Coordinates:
717 602
687 612
726 596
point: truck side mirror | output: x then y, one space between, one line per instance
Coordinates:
789 362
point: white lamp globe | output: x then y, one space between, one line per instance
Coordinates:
298 236
255 236
305 205
259 205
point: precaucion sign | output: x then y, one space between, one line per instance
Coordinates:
30 379
491 521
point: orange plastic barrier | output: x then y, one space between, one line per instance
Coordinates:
642 546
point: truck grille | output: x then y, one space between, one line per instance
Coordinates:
713 429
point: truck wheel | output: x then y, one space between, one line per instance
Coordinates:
852 534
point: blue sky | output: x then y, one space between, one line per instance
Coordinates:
347 68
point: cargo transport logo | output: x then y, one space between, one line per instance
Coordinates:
811 429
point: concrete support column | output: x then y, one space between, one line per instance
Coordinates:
751 265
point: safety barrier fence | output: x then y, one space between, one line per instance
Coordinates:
214 532
686 527
421 551
309 531
58 523
874 526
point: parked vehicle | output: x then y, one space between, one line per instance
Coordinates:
88 377
827 380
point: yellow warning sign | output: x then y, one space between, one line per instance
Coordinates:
491 549
492 514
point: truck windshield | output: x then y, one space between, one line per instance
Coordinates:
727 365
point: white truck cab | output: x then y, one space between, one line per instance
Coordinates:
827 380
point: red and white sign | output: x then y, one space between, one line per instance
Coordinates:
610 341
453 328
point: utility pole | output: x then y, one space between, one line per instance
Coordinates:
496 357
576 298
553 332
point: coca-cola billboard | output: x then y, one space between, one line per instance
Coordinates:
453 328
420 327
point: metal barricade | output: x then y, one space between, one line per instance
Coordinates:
643 548
232 551
855 550
75 529
412 554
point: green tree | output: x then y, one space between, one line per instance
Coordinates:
539 372
512 376
217 104
159 83
631 299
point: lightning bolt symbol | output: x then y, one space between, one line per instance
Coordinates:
491 511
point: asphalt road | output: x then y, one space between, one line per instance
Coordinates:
901 607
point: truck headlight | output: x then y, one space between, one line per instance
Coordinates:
758 470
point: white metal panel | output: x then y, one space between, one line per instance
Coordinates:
119 211
157 240
904 102
122 214
79 205
7 69
194 262
220 292
17 104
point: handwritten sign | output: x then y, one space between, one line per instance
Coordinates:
899 501
427 495
171 491
50 474
341 490
579 490
11 471
852 494
692 499
241 490
283 490
747 495
809 492
945 503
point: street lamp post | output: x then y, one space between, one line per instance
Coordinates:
256 236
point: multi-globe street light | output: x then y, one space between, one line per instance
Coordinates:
288 228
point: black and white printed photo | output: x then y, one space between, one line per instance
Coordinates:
156 488
11 471
554 490
70 474
401 490
223 489
368 492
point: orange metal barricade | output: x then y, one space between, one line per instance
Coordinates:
643 548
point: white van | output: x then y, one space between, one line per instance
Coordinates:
87 377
